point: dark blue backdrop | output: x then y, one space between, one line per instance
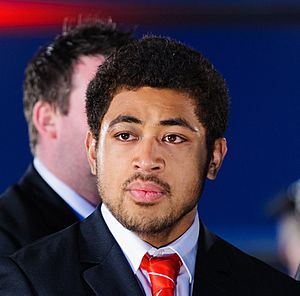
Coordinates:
261 66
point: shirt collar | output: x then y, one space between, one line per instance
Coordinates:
80 206
134 248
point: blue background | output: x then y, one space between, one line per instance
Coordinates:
261 64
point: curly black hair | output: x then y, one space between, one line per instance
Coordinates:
48 75
161 62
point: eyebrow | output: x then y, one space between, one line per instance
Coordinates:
177 121
125 118
167 122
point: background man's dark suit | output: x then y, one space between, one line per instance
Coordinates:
85 259
30 210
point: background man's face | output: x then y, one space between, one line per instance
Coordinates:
73 127
151 160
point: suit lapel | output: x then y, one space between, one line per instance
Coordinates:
105 268
107 273
112 277
212 274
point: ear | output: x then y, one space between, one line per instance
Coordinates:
91 150
44 119
218 154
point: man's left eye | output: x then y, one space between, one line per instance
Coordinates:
174 139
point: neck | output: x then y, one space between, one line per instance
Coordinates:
78 179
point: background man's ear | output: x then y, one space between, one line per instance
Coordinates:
44 119
219 152
91 150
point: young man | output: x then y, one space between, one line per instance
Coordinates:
58 189
157 113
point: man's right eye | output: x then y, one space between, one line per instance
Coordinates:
125 137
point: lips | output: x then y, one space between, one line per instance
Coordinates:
145 192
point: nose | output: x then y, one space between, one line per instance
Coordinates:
148 157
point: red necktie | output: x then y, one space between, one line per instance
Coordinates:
163 272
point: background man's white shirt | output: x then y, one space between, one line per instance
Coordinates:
79 205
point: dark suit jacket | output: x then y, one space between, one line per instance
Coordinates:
30 210
85 259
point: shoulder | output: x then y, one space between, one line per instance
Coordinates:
52 247
46 262
13 212
55 265
18 216
238 258
30 210
17 198
10 198
12 280
248 271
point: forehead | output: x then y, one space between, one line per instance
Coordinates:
83 71
152 103
85 68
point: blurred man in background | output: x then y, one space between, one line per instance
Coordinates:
286 209
58 188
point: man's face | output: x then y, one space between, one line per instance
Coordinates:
151 161
72 129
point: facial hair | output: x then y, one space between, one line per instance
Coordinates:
145 225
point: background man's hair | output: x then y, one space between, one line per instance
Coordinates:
48 75
161 63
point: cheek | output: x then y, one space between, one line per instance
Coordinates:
190 159
113 162
190 167
74 129
187 179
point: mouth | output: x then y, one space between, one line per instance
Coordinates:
145 192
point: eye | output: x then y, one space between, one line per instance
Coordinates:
125 137
174 139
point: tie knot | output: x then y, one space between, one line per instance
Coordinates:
163 272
